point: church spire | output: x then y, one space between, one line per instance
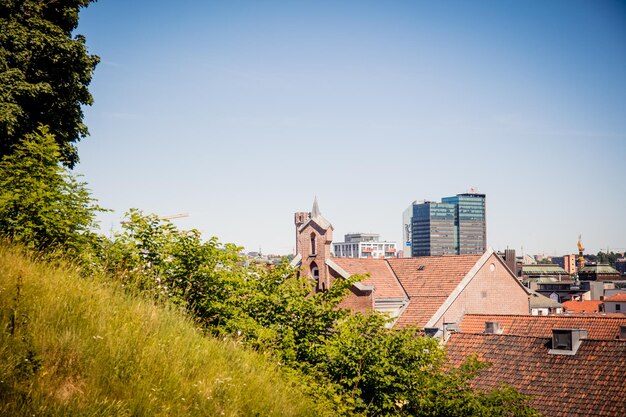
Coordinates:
316 209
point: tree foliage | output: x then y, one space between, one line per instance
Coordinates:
43 205
607 257
352 360
44 73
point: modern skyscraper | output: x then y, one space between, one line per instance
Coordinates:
457 225
470 222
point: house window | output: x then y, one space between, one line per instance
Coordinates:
618 307
313 243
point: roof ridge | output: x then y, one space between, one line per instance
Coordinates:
393 273
519 336
547 317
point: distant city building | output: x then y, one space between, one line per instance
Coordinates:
364 245
544 271
599 272
620 265
567 262
570 290
433 229
455 226
407 230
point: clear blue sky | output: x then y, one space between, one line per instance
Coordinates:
240 112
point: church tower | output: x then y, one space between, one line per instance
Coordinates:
314 234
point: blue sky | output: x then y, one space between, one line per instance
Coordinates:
240 112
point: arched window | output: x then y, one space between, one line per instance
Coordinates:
313 244
315 273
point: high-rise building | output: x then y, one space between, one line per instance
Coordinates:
457 225
433 229
470 222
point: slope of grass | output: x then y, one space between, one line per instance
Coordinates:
76 346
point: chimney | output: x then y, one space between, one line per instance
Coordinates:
510 260
566 341
451 327
431 331
492 327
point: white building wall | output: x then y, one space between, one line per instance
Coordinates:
615 306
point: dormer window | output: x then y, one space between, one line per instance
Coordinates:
492 327
566 341
313 244
562 340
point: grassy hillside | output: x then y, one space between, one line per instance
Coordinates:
75 346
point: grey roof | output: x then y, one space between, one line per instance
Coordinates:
543 269
541 301
599 269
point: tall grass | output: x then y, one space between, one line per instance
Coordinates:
76 346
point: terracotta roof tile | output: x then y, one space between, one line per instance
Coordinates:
617 297
598 327
589 383
428 281
585 306
381 276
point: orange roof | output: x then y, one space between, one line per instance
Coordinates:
385 283
617 297
598 327
585 306
428 281
589 383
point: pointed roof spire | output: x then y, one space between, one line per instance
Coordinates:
316 216
315 212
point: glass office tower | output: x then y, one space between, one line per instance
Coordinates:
470 222
433 229
457 225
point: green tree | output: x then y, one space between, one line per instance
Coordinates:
43 205
350 359
608 257
44 73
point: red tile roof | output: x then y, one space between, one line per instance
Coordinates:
617 297
589 383
598 327
428 281
385 283
585 306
